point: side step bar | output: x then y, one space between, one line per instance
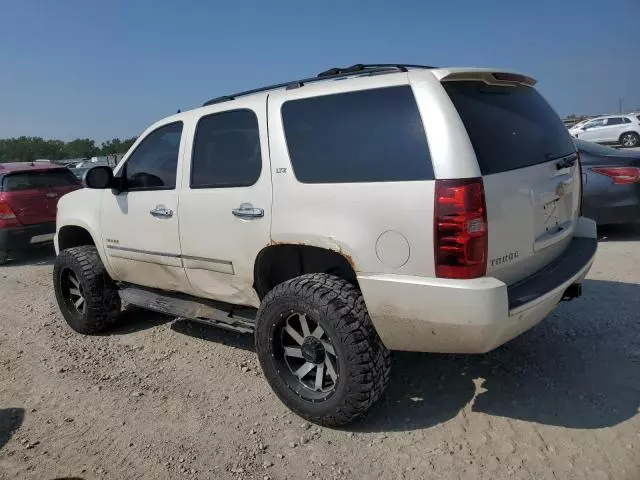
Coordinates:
223 315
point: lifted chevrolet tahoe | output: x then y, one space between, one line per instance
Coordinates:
367 209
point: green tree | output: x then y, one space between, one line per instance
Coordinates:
111 147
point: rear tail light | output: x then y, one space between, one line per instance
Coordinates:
7 217
460 229
620 175
581 183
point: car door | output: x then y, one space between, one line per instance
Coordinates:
592 131
612 130
139 224
225 201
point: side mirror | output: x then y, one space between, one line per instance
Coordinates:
98 178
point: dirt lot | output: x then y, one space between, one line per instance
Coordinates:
165 398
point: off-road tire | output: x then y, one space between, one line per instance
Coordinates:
364 362
100 292
633 135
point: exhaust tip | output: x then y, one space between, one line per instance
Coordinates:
574 291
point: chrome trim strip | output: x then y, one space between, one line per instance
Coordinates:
146 252
171 255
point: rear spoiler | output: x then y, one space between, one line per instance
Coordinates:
490 77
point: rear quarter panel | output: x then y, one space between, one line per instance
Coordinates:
384 227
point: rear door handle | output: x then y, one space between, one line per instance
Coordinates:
161 212
246 210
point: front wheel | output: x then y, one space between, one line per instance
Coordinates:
630 139
86 295
319 350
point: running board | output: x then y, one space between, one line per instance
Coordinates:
223 315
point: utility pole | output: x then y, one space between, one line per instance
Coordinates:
620 105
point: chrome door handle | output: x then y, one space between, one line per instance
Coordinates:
161 212
246 210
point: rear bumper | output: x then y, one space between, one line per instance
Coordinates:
472 316
20 238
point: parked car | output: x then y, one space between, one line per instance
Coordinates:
29 193
611 183
399 208
616 129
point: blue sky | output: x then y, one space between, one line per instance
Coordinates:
104 69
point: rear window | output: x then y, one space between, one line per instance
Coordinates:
364 136
509 127
33 180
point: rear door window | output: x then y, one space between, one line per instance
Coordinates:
614 121
363 136
36 180
226 150
509 127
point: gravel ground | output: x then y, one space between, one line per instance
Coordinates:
165 398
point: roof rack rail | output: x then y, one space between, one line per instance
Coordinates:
328 74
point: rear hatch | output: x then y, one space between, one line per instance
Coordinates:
529 168
33 195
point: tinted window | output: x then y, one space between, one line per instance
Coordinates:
614 121
366 136
34 180
509 127
626 120
154 162
226 151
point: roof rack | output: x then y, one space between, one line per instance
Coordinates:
333 73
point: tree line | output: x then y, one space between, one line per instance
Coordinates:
26 149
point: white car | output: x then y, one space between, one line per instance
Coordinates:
618 129
336 218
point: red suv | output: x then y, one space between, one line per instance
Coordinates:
29 194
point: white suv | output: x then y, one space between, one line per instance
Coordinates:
368 209
619 129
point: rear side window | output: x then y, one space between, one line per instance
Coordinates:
509 127
153 164
226 151
365 136
626 120
35 180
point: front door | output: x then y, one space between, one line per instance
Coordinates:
140 224
225 201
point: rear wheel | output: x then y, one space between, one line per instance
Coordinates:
630 139
86 295
319 350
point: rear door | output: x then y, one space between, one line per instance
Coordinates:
225 202
33 195
530 173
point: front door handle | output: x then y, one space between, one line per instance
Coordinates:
246 210
161 212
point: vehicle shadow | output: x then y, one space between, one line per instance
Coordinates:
134 319
10 421
619 233
44 255
580 368
211 333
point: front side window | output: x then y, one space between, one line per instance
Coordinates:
154 163
226 150
595 124
363 136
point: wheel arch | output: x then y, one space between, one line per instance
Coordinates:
280 262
